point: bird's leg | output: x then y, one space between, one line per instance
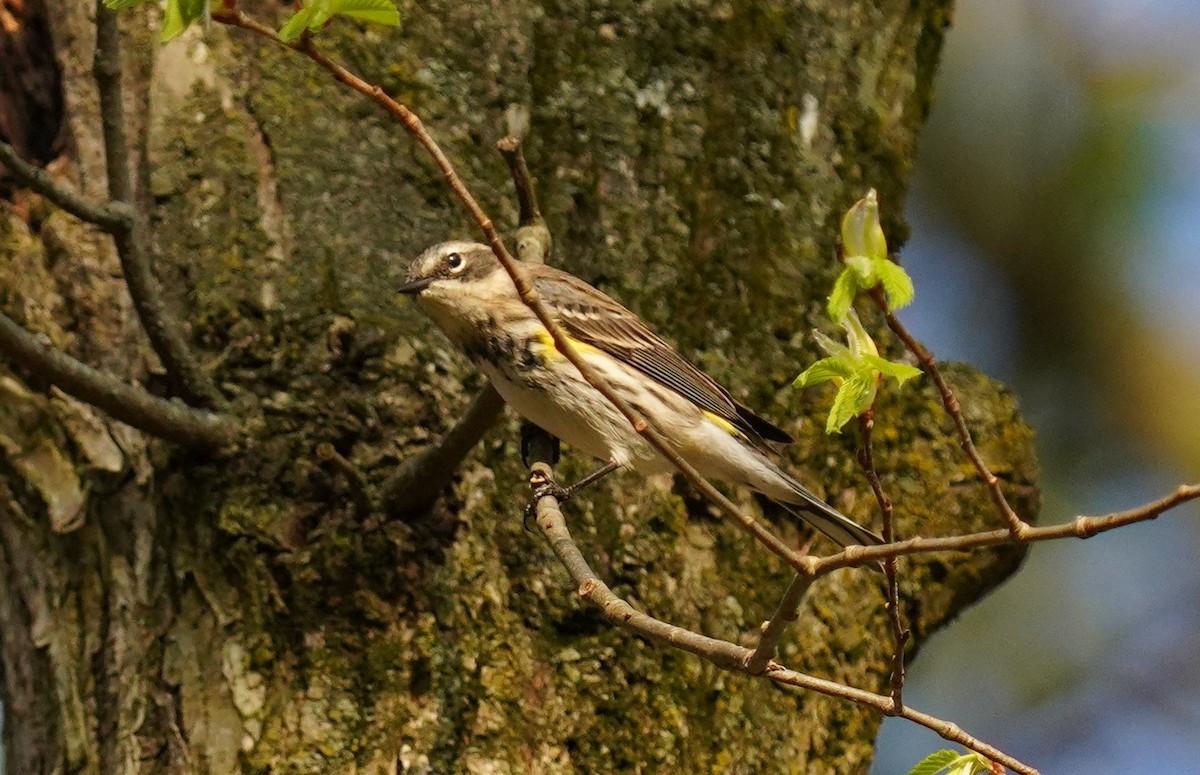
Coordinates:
538 444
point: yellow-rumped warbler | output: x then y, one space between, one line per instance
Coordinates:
462 286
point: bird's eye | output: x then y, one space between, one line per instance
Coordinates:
455 262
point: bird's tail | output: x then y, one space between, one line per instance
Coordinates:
830 522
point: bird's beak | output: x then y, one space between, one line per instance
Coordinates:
413 287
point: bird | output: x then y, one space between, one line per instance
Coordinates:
467 293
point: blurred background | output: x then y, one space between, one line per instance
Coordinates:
1056 244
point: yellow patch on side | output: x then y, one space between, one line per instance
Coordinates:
548 347
721 423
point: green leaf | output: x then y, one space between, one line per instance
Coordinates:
952 763
316 13
861 343
861 233
296 24
864 267
853 398
936 762
823 371
179 15
845 288
901 372
896 283
322 12
832 348
970 764
121 5
378 11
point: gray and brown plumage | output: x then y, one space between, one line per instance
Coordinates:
466 292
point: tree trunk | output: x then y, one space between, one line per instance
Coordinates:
163 610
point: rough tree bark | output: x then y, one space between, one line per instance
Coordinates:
169 611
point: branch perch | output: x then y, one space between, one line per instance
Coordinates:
171 420
723 654
786 613
533 238
1080 527
110 216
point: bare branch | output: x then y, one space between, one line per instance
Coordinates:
946 729
723 654
109 216
510 149
130 236
360 488
787 612
534 241
171 420
413 489
106 69
900 634
929 365
1080 527
411 122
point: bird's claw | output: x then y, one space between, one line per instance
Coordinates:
552 489
544 487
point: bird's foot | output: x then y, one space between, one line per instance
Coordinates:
552 489
544 487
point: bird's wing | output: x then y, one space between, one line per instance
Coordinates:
594 319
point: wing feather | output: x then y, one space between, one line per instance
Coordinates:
595 319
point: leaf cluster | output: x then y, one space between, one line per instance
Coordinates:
865 252
856 367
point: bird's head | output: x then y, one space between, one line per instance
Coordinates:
457 281
448 266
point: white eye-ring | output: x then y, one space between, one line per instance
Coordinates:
455 262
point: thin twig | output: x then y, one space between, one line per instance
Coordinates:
723 654
106 69
929 365
526 292
171 420
1080 527
413 489
946 729
510 148
130 236
109 216
360 487
786 612
900 634
533 238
